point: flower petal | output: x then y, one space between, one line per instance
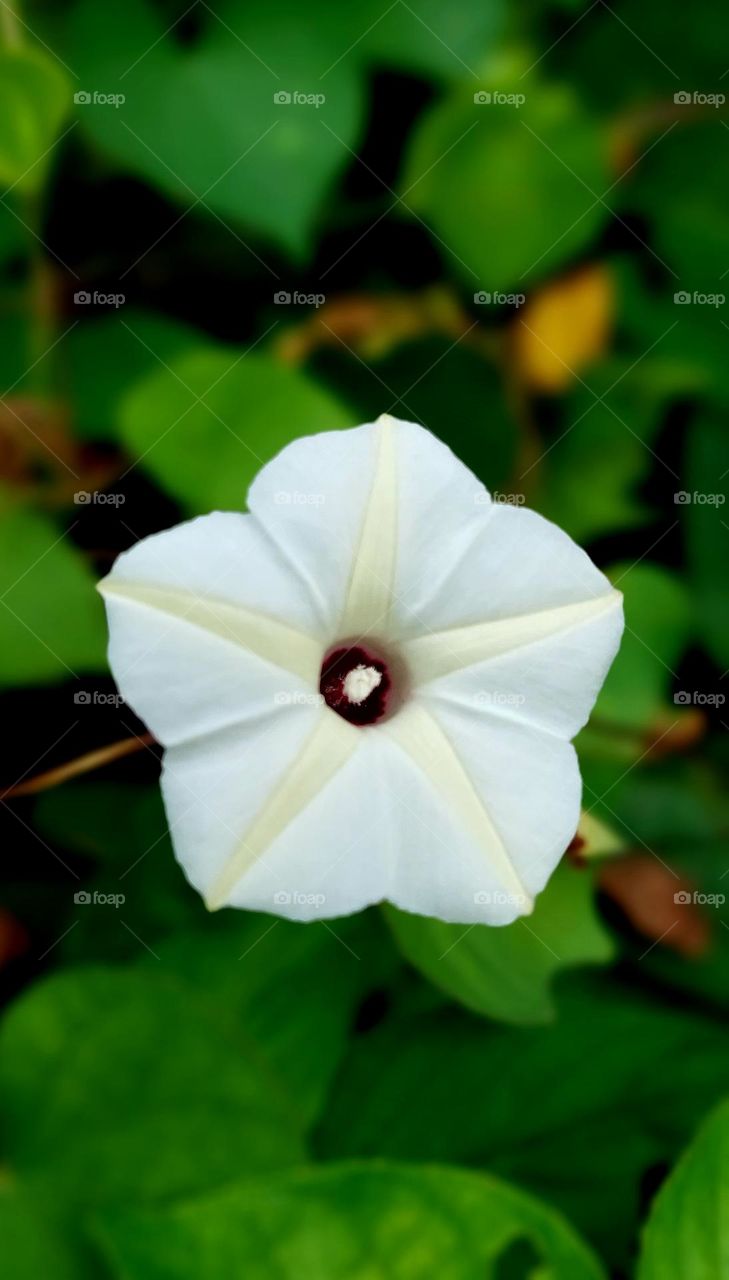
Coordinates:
378 830
335 856
515 564
312 501
419 734
329 746
214 787
196 636
312 818
526 784
545 669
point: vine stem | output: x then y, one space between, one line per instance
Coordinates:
10 25
82 764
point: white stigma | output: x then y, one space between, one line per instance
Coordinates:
359 683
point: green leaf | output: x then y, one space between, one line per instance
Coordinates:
679 809
294 988
477 173
687 1234
690 339
577 1112
680 187
119 1086
707 532
349 1222
204 426
658 622
656 51
103 358
51 619
508 973
201 123
242 966
33 1245
34 99
478 427
429 38
77 816
123 828
613 435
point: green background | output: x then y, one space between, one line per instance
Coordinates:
229 224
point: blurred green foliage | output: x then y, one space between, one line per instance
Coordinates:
197 266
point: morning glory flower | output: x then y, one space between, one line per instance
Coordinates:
367 685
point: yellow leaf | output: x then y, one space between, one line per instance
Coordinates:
563 328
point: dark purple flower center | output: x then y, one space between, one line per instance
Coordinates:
357 684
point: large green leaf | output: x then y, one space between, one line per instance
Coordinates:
688 1230
35 96
150 1096
201 122
578 1112
244 967
205 425
51 619
103 358
294 988
33 1244
511 192
350 1222
508 973
428 37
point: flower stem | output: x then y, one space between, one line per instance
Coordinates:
10 25
82 764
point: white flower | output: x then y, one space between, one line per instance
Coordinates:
367 686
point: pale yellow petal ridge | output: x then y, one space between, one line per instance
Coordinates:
369 595
417 732
324 753
267 638
440 653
